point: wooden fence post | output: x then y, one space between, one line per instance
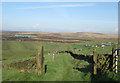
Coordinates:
113 57
40 61
53 58
68 49
95 61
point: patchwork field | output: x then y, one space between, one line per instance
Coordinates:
59 37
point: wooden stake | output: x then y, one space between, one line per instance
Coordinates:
68 49
53 58
95 61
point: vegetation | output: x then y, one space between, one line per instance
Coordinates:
61 69
59 64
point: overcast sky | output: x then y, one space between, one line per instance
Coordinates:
99 17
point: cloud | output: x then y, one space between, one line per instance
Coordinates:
116 29
54 6
36 26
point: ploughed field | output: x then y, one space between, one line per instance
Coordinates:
62 68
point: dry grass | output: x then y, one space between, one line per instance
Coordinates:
89 35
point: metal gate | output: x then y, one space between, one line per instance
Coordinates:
116 61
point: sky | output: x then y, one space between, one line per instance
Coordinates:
95 17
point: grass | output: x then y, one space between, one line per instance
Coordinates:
14 50
61 69
68 37
89 50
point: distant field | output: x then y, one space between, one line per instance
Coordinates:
60 37
12 50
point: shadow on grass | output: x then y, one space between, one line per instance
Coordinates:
45 68
87 58
89 68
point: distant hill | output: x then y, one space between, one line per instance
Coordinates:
62 34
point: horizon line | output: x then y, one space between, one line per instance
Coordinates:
57 32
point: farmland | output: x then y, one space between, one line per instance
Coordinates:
62 68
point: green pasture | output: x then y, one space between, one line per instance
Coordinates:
15 50
61 69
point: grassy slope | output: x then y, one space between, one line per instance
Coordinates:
13 50
60 69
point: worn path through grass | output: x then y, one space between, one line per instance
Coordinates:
59 70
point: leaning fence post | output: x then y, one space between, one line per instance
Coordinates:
40 61
95 61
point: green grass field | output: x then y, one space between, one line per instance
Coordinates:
61 69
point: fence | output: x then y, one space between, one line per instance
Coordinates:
104 63
116 61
